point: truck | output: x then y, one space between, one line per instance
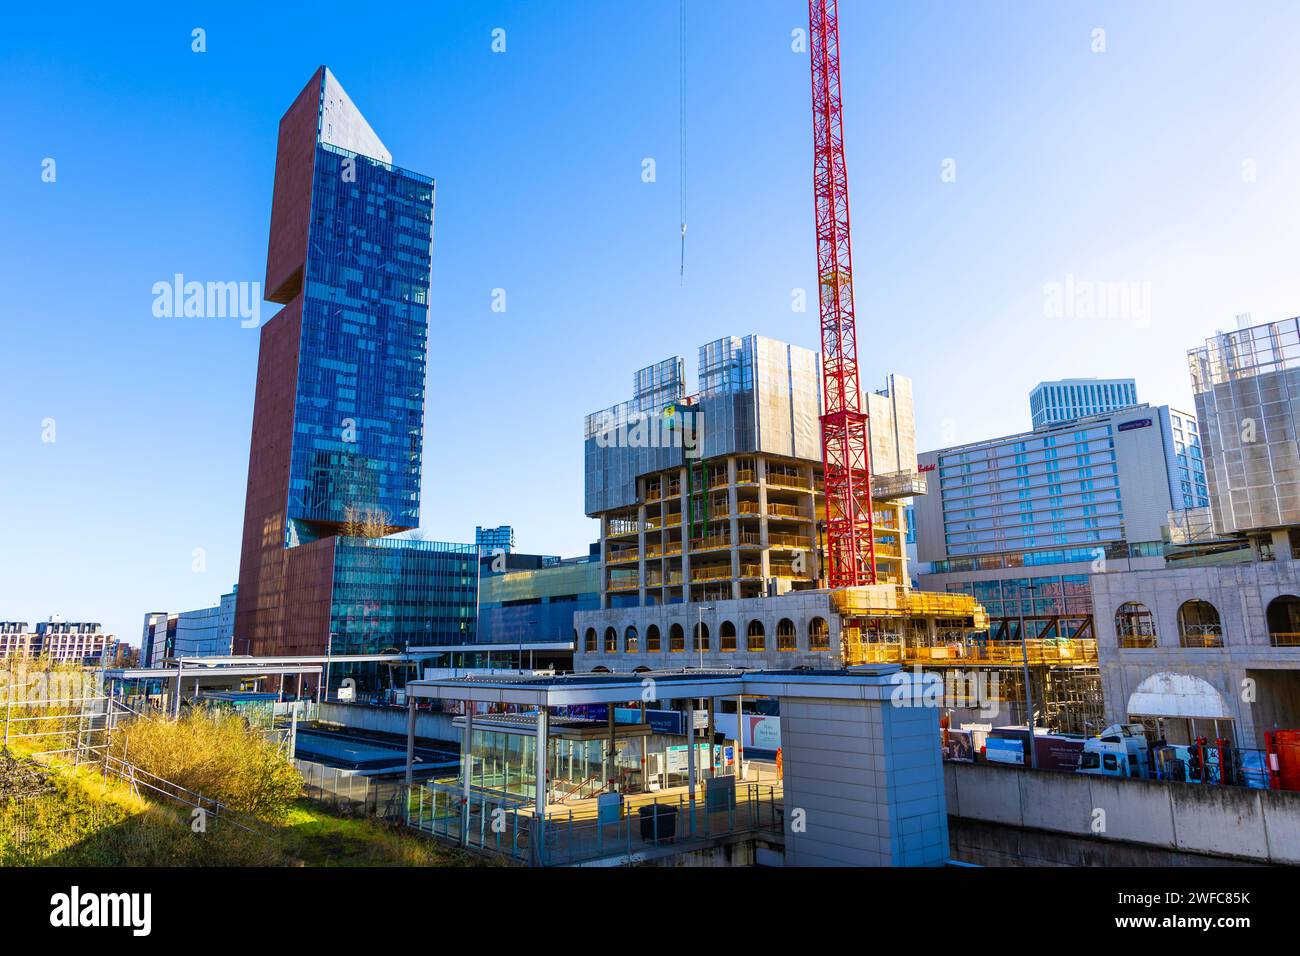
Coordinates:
1121 750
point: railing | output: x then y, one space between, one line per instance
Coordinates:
776 539
710 574
779 510
493 824
711 542
1201 635
1284 638
744 476
785 480
622 557
1038 651
1136 639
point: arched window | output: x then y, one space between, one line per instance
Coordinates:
600 670
630 643
589 641
652 639
819 635
755 640
701 633
1284 621
676 639
1134 625
786 636
726 636
611 641
1198 625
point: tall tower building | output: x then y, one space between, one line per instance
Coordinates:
338 422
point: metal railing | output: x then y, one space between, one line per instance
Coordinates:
1038 651
504 827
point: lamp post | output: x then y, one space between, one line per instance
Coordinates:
1029 692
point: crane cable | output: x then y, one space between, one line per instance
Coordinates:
681 132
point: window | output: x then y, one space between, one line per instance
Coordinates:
676 639
726 636
611 641
701 637
1111 762
786 636
652 639
631 644
1198 625
755 640
589 641
819 635
1134 625
1284 621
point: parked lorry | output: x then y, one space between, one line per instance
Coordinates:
1121 750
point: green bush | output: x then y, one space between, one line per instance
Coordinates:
214 753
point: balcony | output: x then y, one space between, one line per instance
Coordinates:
1284 638
710 574
1011 653
711 542
791 541
783 479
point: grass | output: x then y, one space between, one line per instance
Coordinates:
320 838
79 819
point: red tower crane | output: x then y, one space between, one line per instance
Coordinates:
850 538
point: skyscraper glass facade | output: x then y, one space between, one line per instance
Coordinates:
359 413
338 424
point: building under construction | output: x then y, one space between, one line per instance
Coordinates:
712 536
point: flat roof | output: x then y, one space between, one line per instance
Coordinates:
502 646
869 682
238 670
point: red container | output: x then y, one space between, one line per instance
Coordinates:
1284 759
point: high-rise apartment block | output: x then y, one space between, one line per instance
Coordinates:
338 423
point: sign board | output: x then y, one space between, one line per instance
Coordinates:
1007 750
678 758
701 719
961 746
346 692
764 732
1136 423
660 721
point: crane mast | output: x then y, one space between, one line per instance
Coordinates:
850 538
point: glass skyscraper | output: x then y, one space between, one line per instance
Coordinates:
338 422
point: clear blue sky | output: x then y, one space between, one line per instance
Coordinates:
1117 166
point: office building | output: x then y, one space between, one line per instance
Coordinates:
499 540
1066 399
338 421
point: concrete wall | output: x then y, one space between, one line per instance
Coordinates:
1241 594
1227 822
391 720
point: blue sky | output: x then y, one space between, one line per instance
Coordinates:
1117 166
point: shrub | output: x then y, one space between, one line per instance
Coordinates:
216 754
